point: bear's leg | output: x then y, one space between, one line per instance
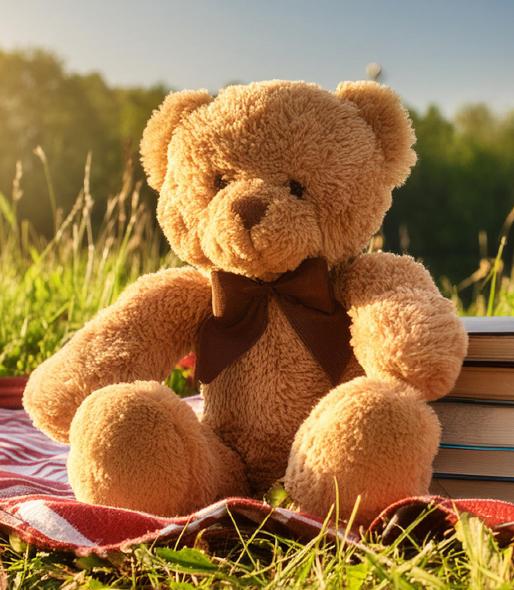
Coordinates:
368 437
139 446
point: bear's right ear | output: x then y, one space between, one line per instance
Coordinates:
381 108
160 128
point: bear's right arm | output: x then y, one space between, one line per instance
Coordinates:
140 337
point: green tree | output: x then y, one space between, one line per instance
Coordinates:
463 183
68 115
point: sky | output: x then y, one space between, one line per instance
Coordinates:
448 52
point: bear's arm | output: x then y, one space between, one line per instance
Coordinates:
140 337
402 327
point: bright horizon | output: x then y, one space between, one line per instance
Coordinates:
448 53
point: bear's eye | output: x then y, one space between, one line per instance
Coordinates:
296 188
220 182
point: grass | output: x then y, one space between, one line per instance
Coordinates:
51 286
469 557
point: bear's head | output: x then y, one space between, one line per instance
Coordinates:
263 176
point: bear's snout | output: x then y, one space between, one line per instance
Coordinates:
250 209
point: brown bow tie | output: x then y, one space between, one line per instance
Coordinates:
240 316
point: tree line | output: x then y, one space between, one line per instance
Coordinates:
462 186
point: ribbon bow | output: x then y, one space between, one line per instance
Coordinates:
240 317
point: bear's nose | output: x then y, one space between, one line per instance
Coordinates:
250 209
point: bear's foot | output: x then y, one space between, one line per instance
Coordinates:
139 446
370 438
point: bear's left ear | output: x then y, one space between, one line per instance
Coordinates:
381 108
160 127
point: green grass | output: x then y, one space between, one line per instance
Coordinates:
50 287
469 557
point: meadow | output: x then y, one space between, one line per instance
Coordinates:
51 286
468 558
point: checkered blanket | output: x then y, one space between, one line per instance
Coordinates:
37 504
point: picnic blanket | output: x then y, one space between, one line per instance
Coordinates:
37 504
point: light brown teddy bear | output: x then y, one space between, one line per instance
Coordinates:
271 192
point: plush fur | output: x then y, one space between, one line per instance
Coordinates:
228 170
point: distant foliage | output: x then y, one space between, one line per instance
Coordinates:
451 210
68 115
462 184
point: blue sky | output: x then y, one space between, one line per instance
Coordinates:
448 52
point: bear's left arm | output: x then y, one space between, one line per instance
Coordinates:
402 327
139 337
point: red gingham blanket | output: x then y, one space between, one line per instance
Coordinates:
37 504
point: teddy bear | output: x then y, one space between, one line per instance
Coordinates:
316 357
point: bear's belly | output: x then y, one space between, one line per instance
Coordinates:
257 404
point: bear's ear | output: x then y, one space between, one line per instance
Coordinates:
160 128
381 108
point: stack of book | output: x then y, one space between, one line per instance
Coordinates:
476 456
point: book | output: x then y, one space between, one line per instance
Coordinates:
473 488
490 338
485 379
476 455
476 422
474 461
488 370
